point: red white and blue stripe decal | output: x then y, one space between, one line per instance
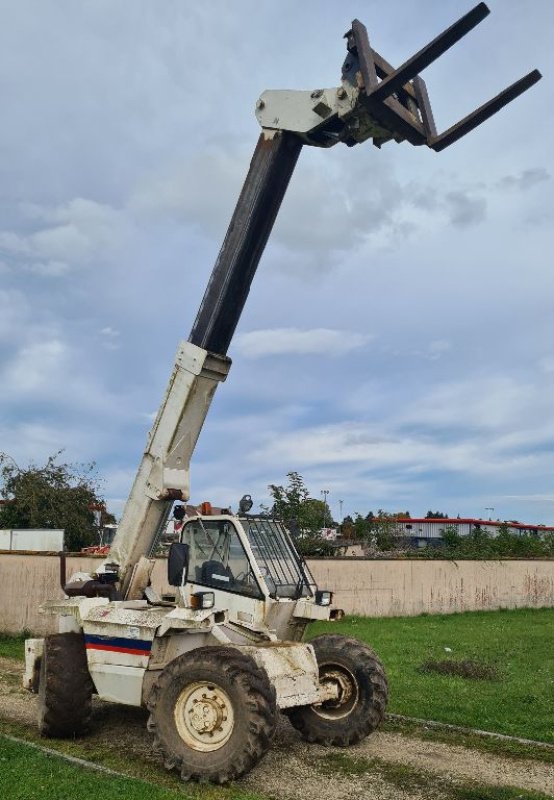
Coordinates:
114 644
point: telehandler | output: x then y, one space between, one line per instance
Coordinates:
216 662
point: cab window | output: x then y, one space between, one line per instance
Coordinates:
217 557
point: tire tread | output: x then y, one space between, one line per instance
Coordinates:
366 716
65 687
259 696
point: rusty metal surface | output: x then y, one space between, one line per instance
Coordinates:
365 56
485 111
271 168
424 105
440 44
400 101
389 103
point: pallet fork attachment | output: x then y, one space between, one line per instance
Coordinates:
400 100
378 101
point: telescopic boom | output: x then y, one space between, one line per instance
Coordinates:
373 101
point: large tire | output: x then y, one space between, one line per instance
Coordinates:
65 687
363 693
213 714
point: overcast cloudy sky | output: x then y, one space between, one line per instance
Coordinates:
397 347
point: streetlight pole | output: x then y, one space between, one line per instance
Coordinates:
340 510
324 492
491 509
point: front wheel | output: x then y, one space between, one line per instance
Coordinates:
362 693
213 714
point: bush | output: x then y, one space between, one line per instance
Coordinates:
481 545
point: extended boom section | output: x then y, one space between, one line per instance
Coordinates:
270 171
163 474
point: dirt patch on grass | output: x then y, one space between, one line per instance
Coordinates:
474 670
293 767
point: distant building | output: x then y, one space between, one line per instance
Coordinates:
423 532
36 539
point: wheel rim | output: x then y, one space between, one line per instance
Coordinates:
346 684
204 716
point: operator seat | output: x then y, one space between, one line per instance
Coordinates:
215 574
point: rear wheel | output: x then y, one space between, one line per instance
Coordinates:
362 692
213 714
65 687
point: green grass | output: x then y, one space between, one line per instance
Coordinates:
518 644
13 646
27 774
146 772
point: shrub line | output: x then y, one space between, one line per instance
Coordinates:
475 731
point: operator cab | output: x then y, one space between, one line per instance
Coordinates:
251 556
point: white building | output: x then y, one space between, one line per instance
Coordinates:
36 539
429 531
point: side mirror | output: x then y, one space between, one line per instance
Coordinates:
177 564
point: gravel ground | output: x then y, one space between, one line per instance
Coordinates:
292 763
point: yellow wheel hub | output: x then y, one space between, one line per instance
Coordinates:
204 716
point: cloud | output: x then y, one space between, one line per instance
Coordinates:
35 367
52 269
294 341
525 179
68 236
114 207
546 364
199 191
356 442
437 349
465 210
433 351
493 402
110 338
15 312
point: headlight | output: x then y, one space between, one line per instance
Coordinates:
202 600
323 598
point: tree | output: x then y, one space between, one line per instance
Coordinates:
385 530
451 537
380 531
56 495
303 515
288 500
436 515
347 527
293 505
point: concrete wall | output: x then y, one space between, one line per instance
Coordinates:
361 586
408 587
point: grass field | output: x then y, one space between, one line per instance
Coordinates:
48 777
518 644
12 646
51 778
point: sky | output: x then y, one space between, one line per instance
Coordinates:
397 347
